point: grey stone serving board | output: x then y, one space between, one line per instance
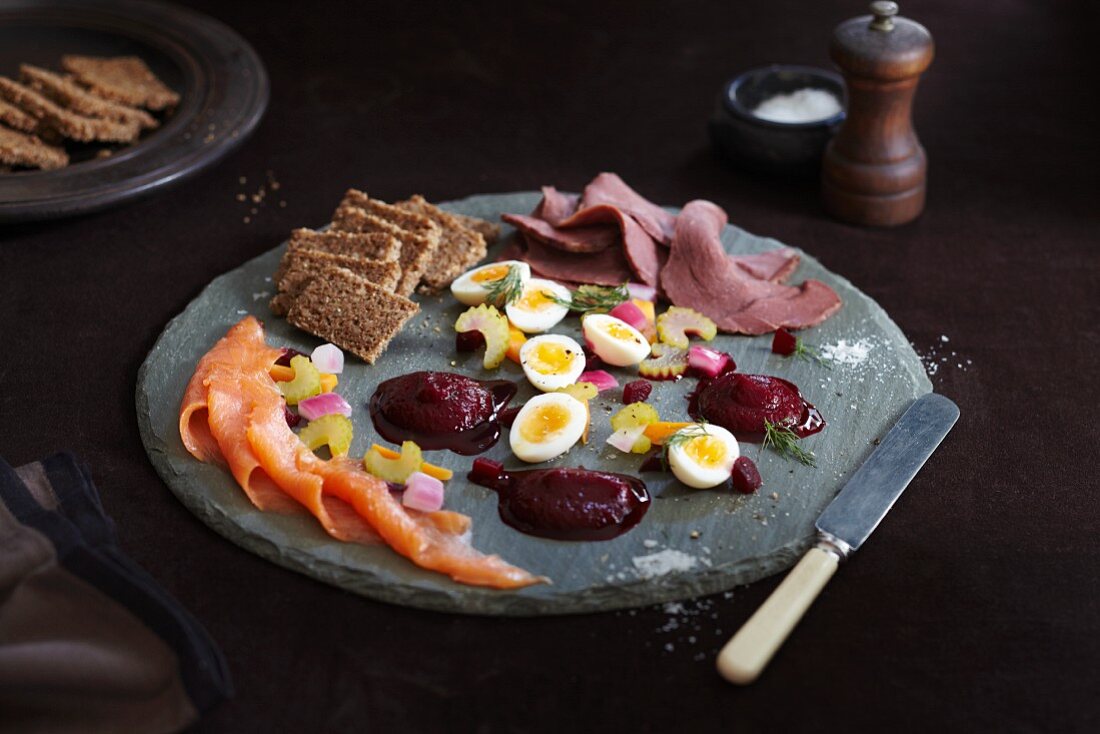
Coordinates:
739 538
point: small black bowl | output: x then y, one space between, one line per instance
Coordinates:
778 148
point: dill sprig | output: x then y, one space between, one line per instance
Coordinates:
506 289
784 442
592 298
685 434
809 353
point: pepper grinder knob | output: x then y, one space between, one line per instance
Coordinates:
884 12
874 168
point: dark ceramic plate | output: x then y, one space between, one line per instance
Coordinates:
221 81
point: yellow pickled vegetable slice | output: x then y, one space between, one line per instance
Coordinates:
306 382
493 325
329 382
394 470
583 391
633 416
333 430
674 325
439 472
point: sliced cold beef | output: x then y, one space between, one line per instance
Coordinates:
555 206
608 189
587 239
700 275
774 265
608 267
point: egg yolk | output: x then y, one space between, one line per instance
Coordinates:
551 358
545 422
706 451
533 300
620 332
493 272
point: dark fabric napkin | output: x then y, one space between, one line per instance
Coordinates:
89 642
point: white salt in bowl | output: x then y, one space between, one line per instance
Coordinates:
791 147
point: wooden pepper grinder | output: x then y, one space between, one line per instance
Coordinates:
874 168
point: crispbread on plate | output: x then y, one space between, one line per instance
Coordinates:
460 247
123 79
298 267
351 312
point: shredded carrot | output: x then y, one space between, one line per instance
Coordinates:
281 372
516 340
430 469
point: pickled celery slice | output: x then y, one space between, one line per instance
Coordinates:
306 382
333 430
633 416
674 325
667 363
493 325
583 391
394 470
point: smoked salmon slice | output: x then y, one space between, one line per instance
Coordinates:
233 413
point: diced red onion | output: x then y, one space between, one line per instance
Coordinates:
326 403
642 292
602 379
328 358
423 492
707 361
624 439
629 312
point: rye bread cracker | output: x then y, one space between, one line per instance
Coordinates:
72 96
123 79
298 267
350 312
366 245
66 122
16 118
28 151
489 230
459 246
419 235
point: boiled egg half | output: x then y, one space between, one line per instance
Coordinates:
472 287
551 361
547 426
534 312
702 455
615 341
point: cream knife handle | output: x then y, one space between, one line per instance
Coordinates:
748 651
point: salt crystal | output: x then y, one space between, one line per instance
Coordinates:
845 352
803 105
664 562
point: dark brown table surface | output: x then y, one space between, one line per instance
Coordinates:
974 607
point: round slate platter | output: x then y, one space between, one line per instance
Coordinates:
221 81
709 540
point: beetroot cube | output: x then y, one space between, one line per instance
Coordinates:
469 341
745 477
784 343
637 391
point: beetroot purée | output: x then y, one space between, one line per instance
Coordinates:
565 503
745 477
784 342
441 410
741 403
637 391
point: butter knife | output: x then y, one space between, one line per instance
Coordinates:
842 528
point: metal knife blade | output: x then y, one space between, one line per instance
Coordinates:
871 492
